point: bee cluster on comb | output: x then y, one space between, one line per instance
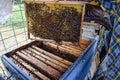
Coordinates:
59 24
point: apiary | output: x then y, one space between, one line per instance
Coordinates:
55 29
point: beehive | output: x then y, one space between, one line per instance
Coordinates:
46 60
43 60
56 21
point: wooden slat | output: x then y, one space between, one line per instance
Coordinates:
40 65
57 67
27 22
53 2
23 47
48 58
76 50
85 41
72 45
31 69
83 46
72 49
22 67
76 54
52 56
83 15
75 47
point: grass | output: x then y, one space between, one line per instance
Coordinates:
13 32
18 15
18 12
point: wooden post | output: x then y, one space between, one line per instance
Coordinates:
83 14
28 31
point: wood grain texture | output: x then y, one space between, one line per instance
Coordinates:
55 66
40 65
77 54
52 56
48 58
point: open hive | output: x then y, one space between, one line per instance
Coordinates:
56 21
45 60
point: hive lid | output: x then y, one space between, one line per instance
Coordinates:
59 21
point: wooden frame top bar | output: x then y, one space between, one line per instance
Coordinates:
53 2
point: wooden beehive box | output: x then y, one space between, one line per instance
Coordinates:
59 21
45 59
41 60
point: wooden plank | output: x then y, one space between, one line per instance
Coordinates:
53 56
57 67
89 23
75 47
80 48
85 41
83 46
53 2
40 65
83 14
76 50
31 69
8 54
39 39
22 67
70 44
76 54
28 31
48 58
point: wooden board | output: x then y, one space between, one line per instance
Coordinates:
48 58
40 65
29 69
53 2
52 56
75 53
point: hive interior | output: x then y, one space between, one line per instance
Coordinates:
45 60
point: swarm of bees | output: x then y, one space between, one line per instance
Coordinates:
59 24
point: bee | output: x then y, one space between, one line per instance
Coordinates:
59 24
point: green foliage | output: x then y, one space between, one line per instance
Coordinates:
18 16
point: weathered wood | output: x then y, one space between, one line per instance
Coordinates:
39 39
52 56
83 46
68 47
85 41
22 67
23 47
53 2
57 67
70 44
75 47
48 58
31 69
62 49
40 65
83 15
26 16
90 23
